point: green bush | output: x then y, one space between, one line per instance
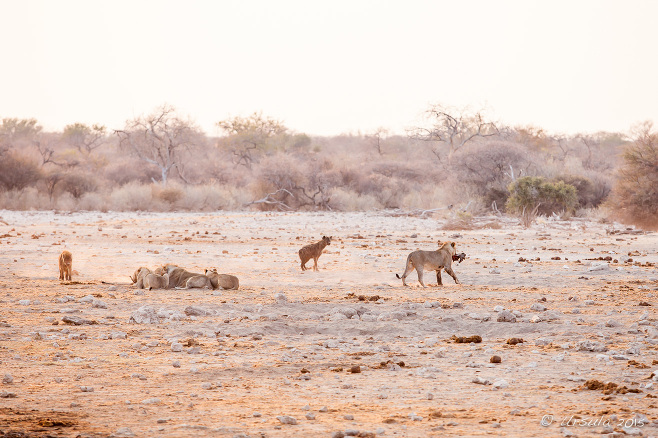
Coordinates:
532 195
591 191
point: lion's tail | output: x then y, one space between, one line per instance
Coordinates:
398 276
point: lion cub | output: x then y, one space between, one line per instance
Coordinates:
224 281
431 260
313 251
65 265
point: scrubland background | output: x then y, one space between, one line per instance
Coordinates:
456 163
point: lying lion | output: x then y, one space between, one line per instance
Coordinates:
155 281
224 281
65 265
138 277
180 278
431 260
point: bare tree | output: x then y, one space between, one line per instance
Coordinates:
161 138
376 139
454 128
85 138
246 135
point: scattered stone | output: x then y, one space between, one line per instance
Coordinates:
8 379
124 431
481 381
495 359
355 369
144 315
76 320
588 345
514 341
349 417
176 364
538 307
612 323
506 316
286 419
500 384
280 298
7 394
176 347
87 388
494 271
467 339
310 416
323 409
197 311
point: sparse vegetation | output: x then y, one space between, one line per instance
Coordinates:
163 162
635 198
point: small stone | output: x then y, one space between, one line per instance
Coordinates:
538 307
8 379
506 316
176 347
310 416
348 417
286 419
612 323
280 298
481 381
355 369
500 384
323 409
495 359
87 388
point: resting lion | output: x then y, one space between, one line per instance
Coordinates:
180 278
155 281
65 265
139 275
224 281
431 260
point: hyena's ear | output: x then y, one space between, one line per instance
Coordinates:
453 244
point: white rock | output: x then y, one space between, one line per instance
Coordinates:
498 308
480 381
506 316
286 419
538 307
500 384
144 315
281 298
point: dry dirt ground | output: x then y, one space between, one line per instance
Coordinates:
286 347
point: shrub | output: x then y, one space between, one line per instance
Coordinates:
635 196
77 184
131 197
17 172
591 192
488 168
532 195
171 194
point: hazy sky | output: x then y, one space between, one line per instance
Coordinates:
331 67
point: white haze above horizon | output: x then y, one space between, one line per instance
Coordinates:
326 68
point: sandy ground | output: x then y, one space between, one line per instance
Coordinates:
284 348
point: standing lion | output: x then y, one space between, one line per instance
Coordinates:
65 265
433 261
